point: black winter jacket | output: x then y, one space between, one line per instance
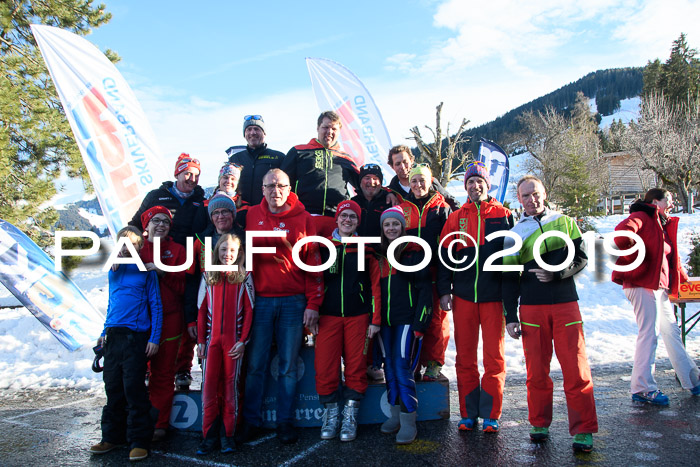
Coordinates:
320 176
256 162
184 211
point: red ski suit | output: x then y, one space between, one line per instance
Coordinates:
162 365
476 302
427 223
224 320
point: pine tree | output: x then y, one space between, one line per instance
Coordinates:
36 143
678 79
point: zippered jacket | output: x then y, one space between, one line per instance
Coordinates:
407 297
134 301
426 223
349 291
473 284
372 212
553 251
644 220
183 210
276 275
192 293
256 163
395 186
227 311
320 176
172 284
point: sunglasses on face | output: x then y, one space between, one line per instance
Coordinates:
253 117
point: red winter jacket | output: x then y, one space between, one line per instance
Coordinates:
172 284
644 220
276 275
227 312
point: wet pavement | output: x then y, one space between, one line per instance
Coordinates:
57 426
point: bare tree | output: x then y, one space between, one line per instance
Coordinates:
666 140
564 153
443 165
542 136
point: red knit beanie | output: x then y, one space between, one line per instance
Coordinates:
348 204
184 161
148 214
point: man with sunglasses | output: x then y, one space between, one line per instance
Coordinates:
182 198
319 172
256 159
402 160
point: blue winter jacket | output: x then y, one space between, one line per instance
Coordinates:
134 301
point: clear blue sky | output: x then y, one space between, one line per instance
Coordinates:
198 67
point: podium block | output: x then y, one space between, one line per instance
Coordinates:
433 400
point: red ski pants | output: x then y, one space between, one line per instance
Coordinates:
341 337
161 387
186 353
220 390
483 400
561 323
437 336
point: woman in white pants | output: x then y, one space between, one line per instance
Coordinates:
647 287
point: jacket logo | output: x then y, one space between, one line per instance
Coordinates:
282 225
165 199
463 224
319 160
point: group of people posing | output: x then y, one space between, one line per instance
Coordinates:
363 309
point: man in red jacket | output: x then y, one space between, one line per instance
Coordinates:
319 173
287 298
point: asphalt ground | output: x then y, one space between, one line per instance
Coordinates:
57 426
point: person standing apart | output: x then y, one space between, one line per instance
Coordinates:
474 296
549 313
647 287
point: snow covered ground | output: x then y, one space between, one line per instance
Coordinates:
31 358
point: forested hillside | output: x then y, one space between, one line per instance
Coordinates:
608 87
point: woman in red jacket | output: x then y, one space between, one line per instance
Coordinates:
156 223
223 327
647 287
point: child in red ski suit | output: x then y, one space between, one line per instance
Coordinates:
224 323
